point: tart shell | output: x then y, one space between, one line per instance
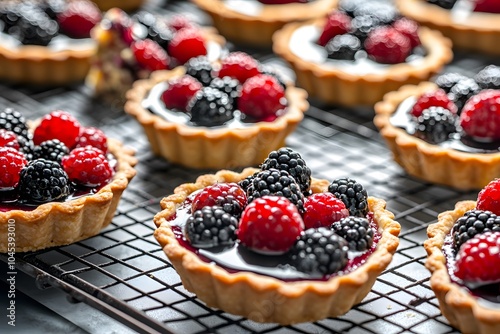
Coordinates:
428 162
63 223
267 299
203 147
335 86
458 306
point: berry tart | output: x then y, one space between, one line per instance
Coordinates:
253 22
360 51
46 42
126 5
471 24
274 244
131 47
464 261
224 114
62 181
446 131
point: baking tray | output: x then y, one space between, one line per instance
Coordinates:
124 273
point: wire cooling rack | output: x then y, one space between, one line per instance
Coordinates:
124 273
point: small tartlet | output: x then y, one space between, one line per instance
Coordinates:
458 306
251 295
334 85
432 163
257 30
204 147
62 223
477 32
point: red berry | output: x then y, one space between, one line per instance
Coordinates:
488 198
487 6
58 125
387 45
337 23
187 43
270 224
262 98
150 55
230 196
480 117
11 163
78 18
478 260
93 137
238 65
179 91
409 28
87 166
8 139
180 21
322 210
435 98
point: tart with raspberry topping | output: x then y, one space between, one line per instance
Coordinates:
62 180
471 25
446 131
224 114
242 244
360 51
253 22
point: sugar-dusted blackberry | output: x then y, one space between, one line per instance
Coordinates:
447 80
343 47
228 85
474 222
211 227
43 181
385 12
275 182
362 25
34 27
462 91
53 7
435 124
210 107
144 17
53 150
350 6
291 161
269 70
319 252
201 68
489 77
446 4
357 231
352 193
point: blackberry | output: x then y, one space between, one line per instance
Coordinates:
53 7
200 68
13 120
53 150
33 27
489 77
211 227
275 182
362 25
245 183
288 160
43 181
319 251
462 91
352 193
210 107
350 6
343 47
228 85
356 231
145 18
446 4
447 80
384 12
435 124
473 222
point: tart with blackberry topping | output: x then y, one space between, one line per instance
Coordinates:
224 114
62 181
254 244
46 42
446 131
360 51
253 22
463 259
471 24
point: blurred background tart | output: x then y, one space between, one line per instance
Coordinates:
126 5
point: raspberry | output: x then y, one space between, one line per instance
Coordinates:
356 231
52 150
78 18
471 223
387 45
210 107
270 224
200 68
434 98
11 163
8 139
343 47
93 137
478 261
322 210
409 28
337 23
488 198
87 166
262 98
180 21
352 193
211 226
150 55
480 117
187 43
179 91
238 65
488 77
487 6
435 125
229 196
58 125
